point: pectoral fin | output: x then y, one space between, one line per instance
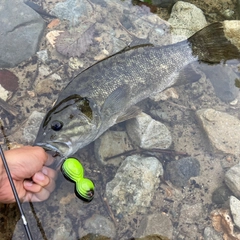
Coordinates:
187 75
116 101
132 112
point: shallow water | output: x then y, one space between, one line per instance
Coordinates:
63 207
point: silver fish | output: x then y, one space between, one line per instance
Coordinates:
105 93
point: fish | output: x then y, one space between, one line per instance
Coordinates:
106 93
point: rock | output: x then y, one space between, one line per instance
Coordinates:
190 213
166 94
163 3
223 79
211 234
43 56
64 231
186 19
21 30
30 129
134 184
180 171
232 179
222 129
156 223
235 210
148 133
100 225
110 144
221 195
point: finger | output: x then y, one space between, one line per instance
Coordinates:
49 160
51 185
51 173
40 179
31 186
37 197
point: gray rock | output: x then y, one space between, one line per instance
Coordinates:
186 19
190 213
148 133
72 10
43 56
156 223
179 172
110 144
98 224
64 231
211 234
235 210
223 79
21 30
163 3
221 195
222 129
232 179
134 184
30 129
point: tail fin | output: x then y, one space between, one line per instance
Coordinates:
217 42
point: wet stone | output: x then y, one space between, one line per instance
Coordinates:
235 210
179 172
98 224
211 234
64 231
21 30
186 19
232 179
134 184
221 195
156 223
222 129
111 144
30 129
148 133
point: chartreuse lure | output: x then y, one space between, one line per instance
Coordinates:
73 170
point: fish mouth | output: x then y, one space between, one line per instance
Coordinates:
58 150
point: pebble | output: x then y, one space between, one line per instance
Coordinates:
223 80
21 30
134 184
148 133
186 19
31 126
232 179
235 210
111 143
64 231
156 223
221 195
180 171
43 56
222 129
98 224
210 234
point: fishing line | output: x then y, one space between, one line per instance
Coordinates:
24 220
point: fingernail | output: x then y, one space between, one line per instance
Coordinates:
45 171
40 176
28 183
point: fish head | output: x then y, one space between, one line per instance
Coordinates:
71 124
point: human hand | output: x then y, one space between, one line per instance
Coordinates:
25 163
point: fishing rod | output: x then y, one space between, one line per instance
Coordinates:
25 224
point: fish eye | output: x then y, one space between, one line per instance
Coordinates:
56 125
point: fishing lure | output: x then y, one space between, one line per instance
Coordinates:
73 170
